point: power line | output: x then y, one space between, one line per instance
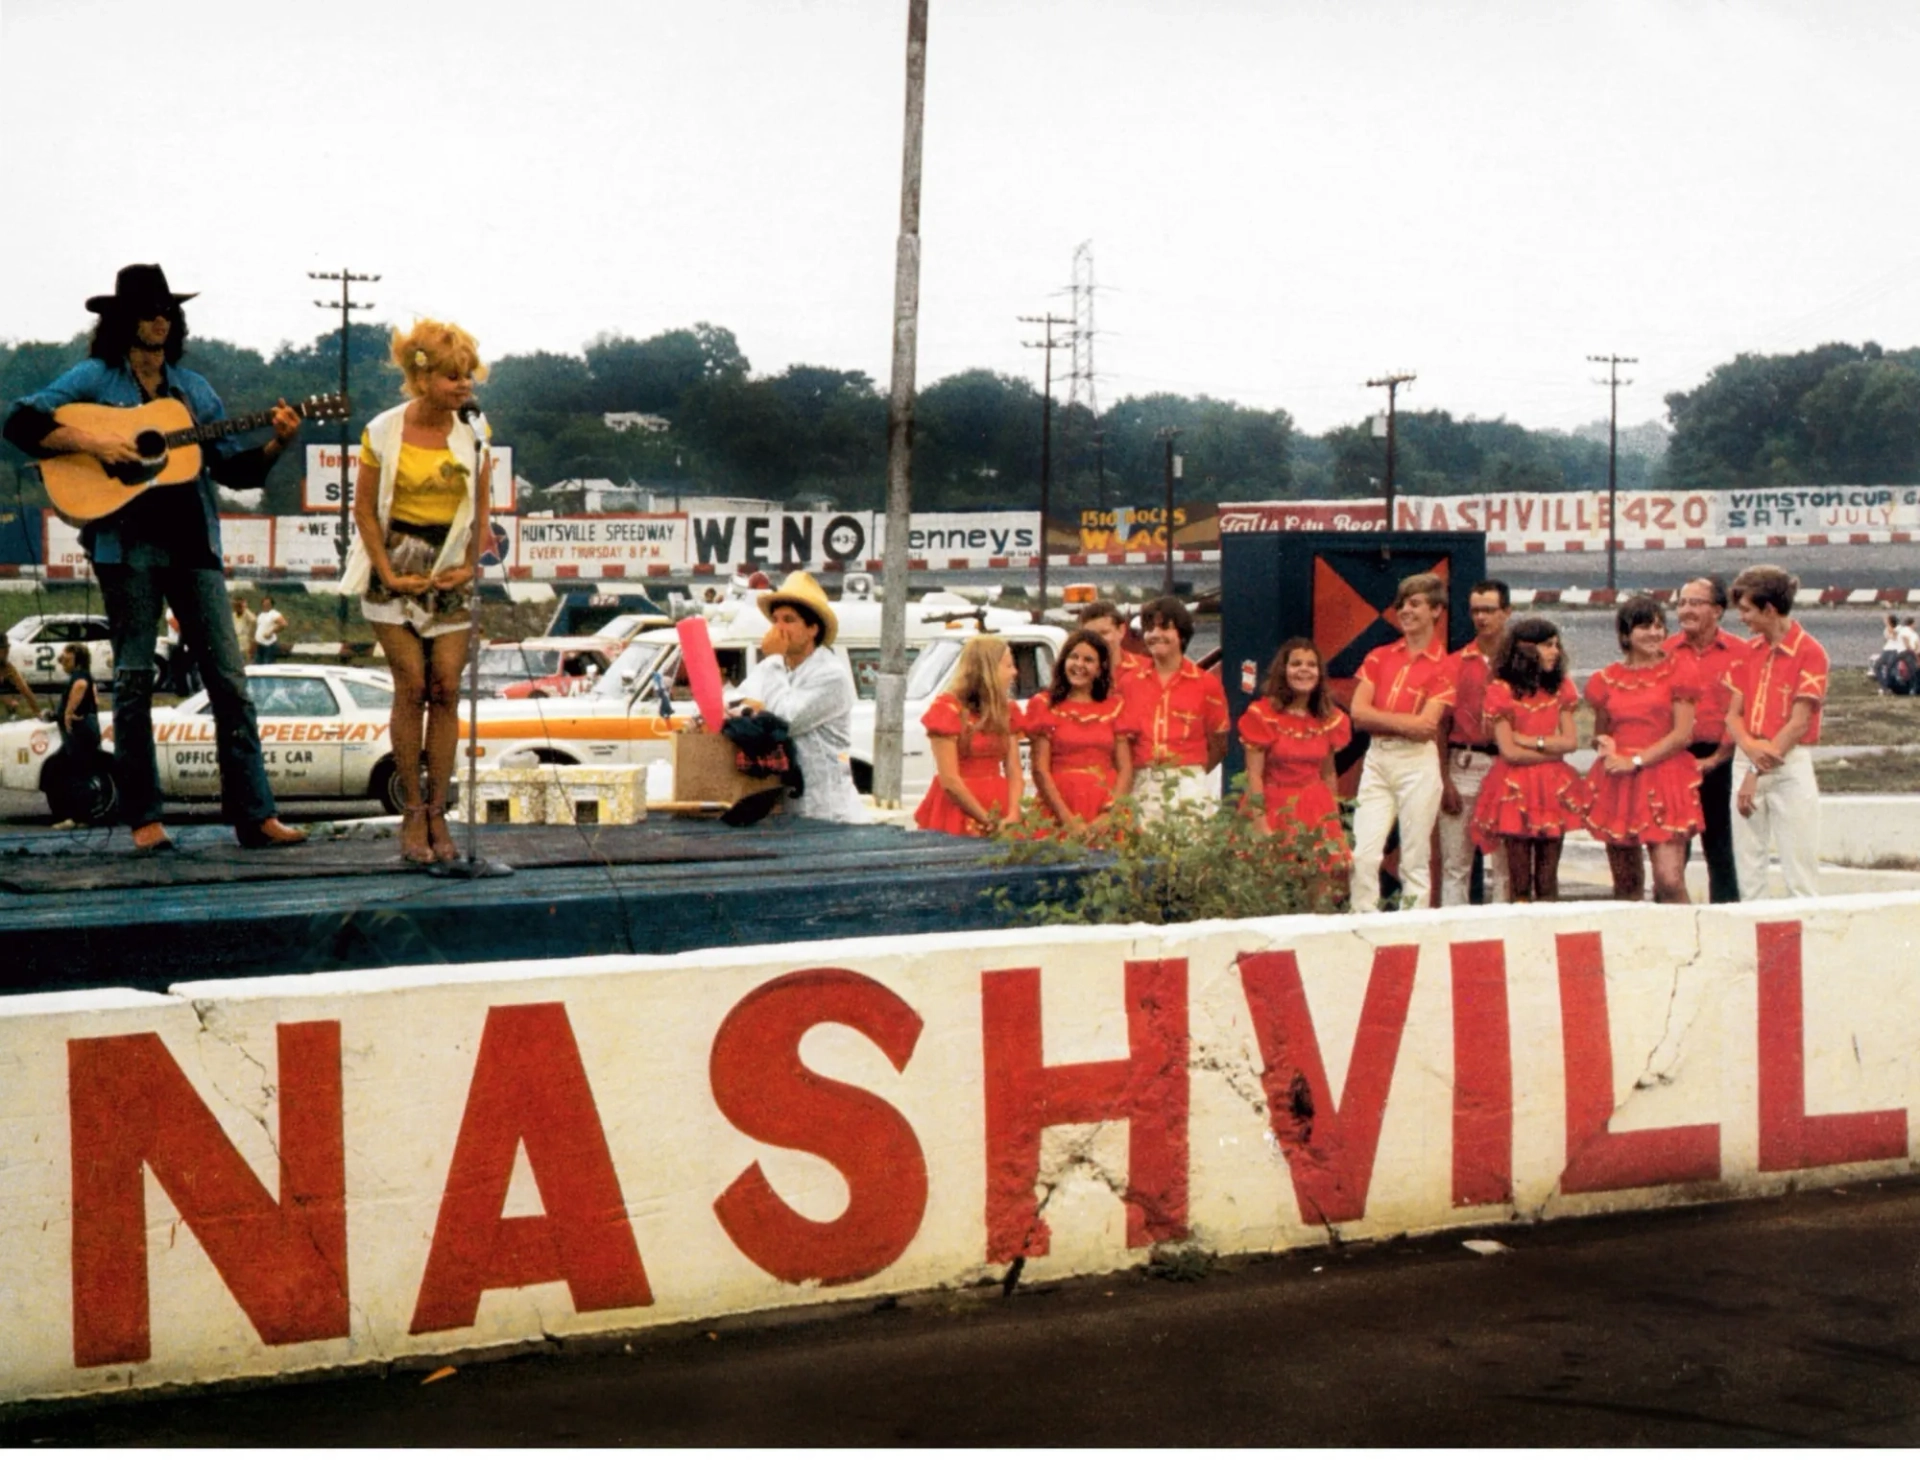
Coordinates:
1613 382
1049 344
347 279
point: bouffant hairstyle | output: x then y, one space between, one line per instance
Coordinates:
1279 693
1102 684
1765 586
431 346
1635 612
975 682
1517 660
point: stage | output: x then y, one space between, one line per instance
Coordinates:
80 910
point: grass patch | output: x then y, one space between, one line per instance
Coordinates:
1856 713
1878 773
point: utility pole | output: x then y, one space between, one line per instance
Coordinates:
1393 383
347 279
1046 436
890 688
1169 434
1613 382
1100 469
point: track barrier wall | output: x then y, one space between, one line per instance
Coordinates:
278 1175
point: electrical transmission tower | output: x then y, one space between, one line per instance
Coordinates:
1082 390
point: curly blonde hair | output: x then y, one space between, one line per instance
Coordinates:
433 345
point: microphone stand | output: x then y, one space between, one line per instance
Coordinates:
473 866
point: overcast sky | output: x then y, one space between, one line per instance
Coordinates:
1284 197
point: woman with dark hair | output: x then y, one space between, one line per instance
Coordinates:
79 705
1529 709
1082 751
1290 735
1644 789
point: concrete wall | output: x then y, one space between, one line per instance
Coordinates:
286 1174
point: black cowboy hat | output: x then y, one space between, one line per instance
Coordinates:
138 289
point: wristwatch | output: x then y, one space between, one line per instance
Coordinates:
1540 742
1638 764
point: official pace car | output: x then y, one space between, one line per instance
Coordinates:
323 732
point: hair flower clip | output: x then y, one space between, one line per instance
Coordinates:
420 359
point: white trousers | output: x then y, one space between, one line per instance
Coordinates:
1469 769
1786 816
1156 788
1400 779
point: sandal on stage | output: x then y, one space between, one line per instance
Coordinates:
413 836
438 837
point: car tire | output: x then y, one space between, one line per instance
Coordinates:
384 787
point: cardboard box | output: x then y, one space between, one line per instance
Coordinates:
704 770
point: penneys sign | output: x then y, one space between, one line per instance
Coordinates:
274 1175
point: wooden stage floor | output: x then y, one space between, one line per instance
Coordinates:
79 910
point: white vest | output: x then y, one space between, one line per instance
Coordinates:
384 435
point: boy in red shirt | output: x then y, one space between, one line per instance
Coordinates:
1778 685
1177 711
1402 691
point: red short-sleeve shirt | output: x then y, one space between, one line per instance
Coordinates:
1171 719
1405 682
1470 673
1770 677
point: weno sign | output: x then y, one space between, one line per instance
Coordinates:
285 1174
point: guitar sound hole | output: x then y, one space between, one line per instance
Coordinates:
152 447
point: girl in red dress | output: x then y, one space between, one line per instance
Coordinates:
1082 752
1529 705
1644 790
1290 735
974 734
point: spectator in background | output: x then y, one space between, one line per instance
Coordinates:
1708 652
244 619
266 633
1778 684
1467 748
1401 693
1105 618
17 689
1909 636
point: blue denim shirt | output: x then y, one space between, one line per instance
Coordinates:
98 383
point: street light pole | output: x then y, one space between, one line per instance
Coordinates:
1169 434
1046 437
1613 382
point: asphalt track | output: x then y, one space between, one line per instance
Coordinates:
1790 1321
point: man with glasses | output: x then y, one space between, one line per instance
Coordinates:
1709 653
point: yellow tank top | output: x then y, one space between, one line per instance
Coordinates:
428 485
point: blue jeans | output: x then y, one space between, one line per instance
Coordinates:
198 597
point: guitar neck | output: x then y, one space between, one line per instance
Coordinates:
230 426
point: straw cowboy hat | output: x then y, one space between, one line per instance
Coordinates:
800 591
139 289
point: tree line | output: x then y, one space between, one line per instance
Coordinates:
814 435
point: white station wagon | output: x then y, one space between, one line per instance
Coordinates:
323 732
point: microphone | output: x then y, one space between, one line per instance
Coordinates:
470 412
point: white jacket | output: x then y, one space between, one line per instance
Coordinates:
384 434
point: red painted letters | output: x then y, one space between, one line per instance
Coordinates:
285 1263
1790 1139
1148 1090
1329 1148
1482 1076
761 1085
530 1088
1599 1159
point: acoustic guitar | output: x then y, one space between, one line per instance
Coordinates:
84 489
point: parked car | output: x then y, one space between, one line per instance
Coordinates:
544 668
323 733
34 645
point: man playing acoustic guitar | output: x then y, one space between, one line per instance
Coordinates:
163 545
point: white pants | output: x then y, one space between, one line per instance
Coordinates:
1156 788
1400 779
1469 769
1786 815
